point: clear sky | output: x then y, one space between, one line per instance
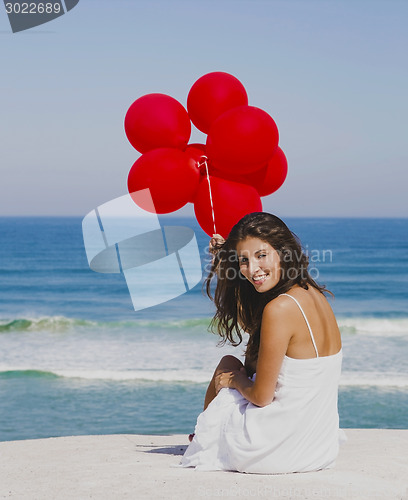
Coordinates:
332 73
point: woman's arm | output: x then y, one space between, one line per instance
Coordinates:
276 332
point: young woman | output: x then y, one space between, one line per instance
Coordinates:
278 412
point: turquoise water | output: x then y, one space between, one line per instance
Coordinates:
76 358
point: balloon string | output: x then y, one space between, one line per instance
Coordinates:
209 188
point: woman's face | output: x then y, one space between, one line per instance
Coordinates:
259 262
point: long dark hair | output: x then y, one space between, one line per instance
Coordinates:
239 306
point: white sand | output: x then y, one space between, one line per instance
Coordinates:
372 464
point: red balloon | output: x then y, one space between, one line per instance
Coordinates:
270 178
197 153
231 201
229 176
171 177
212 95
198 146
266 180
242 140
157 121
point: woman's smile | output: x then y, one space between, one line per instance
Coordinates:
260 278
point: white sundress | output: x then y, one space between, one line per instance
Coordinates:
297 432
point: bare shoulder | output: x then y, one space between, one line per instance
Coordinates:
278 314
279 306
277 327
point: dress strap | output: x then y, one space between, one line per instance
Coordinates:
307 322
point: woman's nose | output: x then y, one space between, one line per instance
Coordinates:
252 266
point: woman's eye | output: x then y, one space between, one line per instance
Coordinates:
243 261
262 255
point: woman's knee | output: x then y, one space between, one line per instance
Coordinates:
229 363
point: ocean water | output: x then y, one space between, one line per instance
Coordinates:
75 358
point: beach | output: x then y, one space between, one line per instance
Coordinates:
76 359
135 132
371 464
122 389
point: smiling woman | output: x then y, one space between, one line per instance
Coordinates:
278 412
259 262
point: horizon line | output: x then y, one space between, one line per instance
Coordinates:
188 216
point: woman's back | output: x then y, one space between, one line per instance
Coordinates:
321 320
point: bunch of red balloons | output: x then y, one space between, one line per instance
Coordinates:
224 178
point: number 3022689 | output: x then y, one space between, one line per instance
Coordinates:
33 8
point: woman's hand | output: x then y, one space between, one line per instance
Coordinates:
215 243
235 379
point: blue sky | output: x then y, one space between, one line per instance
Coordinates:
333 75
